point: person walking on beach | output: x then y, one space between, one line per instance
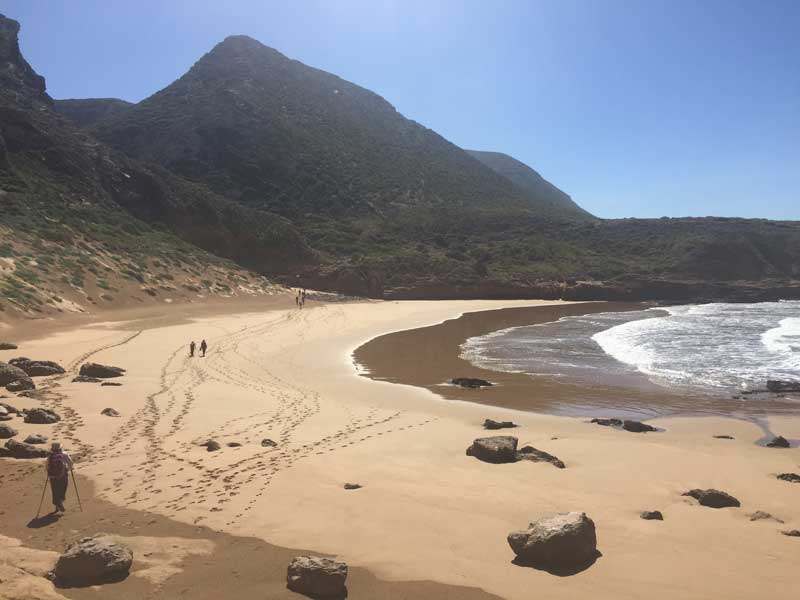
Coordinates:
191 348
58 466
203 347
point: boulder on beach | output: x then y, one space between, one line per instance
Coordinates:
268 443
652 515
790 477
491 424
713 498
91 561
471 382
233 444
110 384
211 445
15 449
779 442
792 533
15 379
36 438
535 455
497 449
776 385
761 515
85 379
317 577
21 385
608 422
353 486
110 412
37 368
7 346
6 431
101 371
41 416
637 426
560 541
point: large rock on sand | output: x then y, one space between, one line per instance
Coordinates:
41 416
36 438
790 477
15 449
779 442
37 368
561 541
713 498
492 424
535 455
6 431
496 449
14 379
317 577
7 346
91 561
100 371
637 426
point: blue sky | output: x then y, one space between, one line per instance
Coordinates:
635 108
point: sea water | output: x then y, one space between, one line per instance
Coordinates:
711 348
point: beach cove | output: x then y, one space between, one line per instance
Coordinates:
426 511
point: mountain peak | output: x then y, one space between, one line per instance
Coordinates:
14 69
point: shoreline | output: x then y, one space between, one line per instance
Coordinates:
287 375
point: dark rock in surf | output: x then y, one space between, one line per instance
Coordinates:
790 477
776 386
6 431
713 498
490 424
559 541
637 426
110 412
42 416
532 454
36 438
471 382
779 442
101 371
317 577
652 515
607 422
497 449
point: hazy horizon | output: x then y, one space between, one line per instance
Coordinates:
636 109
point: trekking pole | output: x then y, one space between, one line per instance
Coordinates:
44 489
74 483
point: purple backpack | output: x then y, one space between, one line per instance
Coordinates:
57 466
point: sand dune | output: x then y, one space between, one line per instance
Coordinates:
426 510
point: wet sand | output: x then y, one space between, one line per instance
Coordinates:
429 357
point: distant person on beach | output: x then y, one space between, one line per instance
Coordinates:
58 466
203 347
191 348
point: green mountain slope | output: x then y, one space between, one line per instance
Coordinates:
525 178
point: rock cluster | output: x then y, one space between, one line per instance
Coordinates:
564 540
626 424
15 379
15 449
317 577
91 561
713 498
37 368
100 371
503 449
41 416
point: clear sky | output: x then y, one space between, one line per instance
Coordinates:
634 107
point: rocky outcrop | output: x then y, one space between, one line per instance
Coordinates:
110 412
497 449
37 368
36 438
15 379
534 455
101 371
6 431
317 577
490 424
92 561
42 416
761 515
652 515
790 477
471 382
779 442
15 449
783 386
558 541
713 498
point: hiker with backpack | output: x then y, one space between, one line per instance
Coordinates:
58 467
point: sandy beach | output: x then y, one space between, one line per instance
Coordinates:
426 511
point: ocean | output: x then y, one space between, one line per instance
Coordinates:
706 349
